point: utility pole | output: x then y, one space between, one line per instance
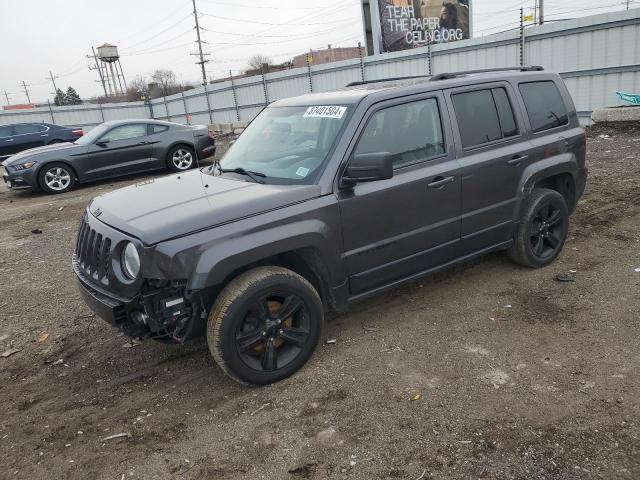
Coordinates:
541 12
26 91
6 95
97 67
53 80
200 54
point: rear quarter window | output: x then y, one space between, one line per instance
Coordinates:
545 107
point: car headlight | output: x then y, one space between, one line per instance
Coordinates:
130 261
24 166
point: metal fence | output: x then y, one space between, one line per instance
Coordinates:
596 55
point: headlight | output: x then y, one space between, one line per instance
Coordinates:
130 261
24 166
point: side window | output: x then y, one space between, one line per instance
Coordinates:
125 132
484 116
411 132
25 129
6 131
505 112
158 128
544 104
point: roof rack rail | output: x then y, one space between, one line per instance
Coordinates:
392 79
450 75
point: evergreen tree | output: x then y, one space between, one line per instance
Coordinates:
60 98
72 97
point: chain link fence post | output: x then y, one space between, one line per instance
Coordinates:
309 60
206 96
264 86
362 77
235 98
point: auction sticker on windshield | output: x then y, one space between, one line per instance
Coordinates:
326 111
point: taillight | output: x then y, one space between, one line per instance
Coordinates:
78 132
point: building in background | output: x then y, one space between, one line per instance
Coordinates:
327 55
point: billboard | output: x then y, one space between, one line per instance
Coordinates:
404 24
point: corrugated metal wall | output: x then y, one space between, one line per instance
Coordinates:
596 55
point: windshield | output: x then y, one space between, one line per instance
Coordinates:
93 135
288 145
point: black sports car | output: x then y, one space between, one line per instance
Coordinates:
111 149
17 137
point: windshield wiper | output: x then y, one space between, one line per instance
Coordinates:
252 175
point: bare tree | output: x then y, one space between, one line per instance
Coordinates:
166 79
138 88
256 62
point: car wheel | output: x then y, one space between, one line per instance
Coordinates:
181 158
542 230
56 178
265 325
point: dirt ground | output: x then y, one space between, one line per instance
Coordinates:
490 371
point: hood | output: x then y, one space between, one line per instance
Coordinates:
47 149
166 207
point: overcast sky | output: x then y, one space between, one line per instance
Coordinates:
41 35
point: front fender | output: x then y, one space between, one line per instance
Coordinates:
219 261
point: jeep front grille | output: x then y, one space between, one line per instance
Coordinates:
93 253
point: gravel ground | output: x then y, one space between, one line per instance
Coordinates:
489 371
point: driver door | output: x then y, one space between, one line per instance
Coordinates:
123 150
403 226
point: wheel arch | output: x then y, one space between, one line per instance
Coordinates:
556 173
49 162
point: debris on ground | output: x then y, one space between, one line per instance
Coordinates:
36 231
416 397
565 277
132 343
43 338
113 437
331 341
8 353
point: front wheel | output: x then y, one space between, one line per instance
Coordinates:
56 178
181 158
542 230
265 325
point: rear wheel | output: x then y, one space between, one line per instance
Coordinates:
265 325
56 178
181 158
542 230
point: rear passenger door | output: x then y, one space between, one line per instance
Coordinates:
493 152
396 228
27 135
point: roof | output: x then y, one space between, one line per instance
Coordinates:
350 95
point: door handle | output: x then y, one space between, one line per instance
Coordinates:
10 140
143 143
517 159
440 182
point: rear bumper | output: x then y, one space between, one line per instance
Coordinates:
206 148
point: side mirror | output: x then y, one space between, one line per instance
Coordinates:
368 167
102 143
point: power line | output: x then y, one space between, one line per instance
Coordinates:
156 35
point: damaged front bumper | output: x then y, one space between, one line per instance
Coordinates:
164 311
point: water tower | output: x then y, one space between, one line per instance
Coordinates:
110 64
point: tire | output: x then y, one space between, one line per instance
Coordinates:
56 178
181 158
542 230
251 338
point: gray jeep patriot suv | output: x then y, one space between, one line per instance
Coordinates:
329 198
